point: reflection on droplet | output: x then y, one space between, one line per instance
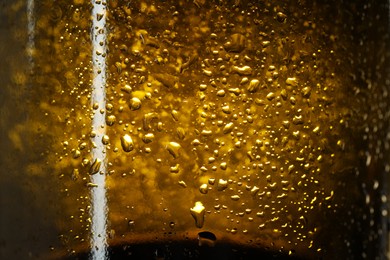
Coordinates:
197 213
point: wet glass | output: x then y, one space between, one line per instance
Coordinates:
194 129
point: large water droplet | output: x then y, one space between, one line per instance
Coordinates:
197 213
174 149
127 143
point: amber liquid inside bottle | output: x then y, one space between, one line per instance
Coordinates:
195 129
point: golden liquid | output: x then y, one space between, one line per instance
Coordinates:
263 122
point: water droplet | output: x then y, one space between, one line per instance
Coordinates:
281 17
148 138
228 128
306 91
105 139
222 184
223 165
221 93
76 154
110 120
197 213
181 133
253 85
226 109
255 190
75 174
175 169
203 188
95 167
127 143
183 184
244 70
175 115
270 96
135 103
235 91
126 88
174 149
235 197
206 238
236 43
292 82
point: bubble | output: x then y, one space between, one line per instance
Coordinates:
197 213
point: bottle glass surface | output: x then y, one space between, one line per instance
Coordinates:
194 129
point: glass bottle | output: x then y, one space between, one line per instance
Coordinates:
194 129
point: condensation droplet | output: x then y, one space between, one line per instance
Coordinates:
197 213
95 167
228 128
135 103
203 188
127 143
174 149
222 184
105 139
253 85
